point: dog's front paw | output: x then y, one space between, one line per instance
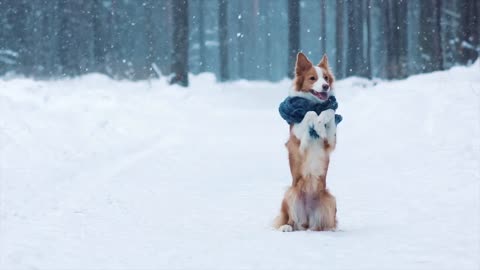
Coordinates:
285 228
325 117
321 130
310 117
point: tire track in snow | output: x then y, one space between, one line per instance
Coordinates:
82 186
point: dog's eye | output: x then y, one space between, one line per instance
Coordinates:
312 78
326 78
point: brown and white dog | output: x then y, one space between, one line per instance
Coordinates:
307 204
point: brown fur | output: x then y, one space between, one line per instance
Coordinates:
308 193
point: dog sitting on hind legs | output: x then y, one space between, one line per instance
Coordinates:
307 204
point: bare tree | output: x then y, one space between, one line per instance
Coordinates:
180 43
99 44
293 34
149 66
223 38
430 35
65 38
269 44
469 31
241 39
201 37
368 60
339 39
323 25
395 15
355 55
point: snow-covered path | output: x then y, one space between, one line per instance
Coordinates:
98 174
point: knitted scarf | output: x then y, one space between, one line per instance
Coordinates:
293 109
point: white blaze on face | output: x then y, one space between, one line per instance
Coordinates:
318 85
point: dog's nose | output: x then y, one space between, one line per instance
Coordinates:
325 87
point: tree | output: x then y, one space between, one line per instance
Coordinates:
293 34
368 61
323 25
355 57
339 40
180 43
241 39
469 31
395 15
430 35
414 63
269 44
19 15
65 38
201 37
165 45
223 38
99 42
150 57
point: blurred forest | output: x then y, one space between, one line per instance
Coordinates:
236 39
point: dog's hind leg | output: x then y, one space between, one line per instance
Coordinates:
324 216
292 214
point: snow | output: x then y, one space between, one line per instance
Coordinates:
103 174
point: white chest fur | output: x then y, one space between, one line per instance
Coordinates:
315 159
312 149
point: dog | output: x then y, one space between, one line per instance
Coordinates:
307 204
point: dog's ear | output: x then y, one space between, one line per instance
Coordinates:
324 62
303 64
326 68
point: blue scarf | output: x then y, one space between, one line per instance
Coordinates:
293 109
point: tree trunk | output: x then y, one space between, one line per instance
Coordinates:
148 68
99 48
201 38
368 62
469 31
339 39
390 39
114 44
355 56
65 34
241 41
430 35
180 43
323 25
223 38
293 35
269 44
396 43
401 36
437 36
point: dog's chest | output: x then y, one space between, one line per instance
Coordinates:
315 159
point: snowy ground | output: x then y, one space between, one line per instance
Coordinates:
99 174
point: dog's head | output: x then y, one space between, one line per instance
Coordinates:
313 82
